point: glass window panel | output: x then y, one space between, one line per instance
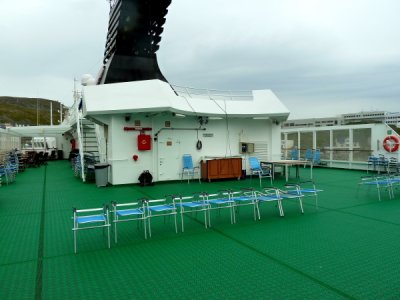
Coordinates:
323 143
291 141
341 144
306 142
361 144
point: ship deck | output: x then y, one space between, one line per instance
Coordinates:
349 248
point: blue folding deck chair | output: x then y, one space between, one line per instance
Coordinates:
269 195
293 194
160 208
91 218
304 189
9 172
372 163
124 212
189 205
380 182
218 201
245 197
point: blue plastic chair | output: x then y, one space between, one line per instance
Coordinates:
308 156
257 169
295 154
317 157
188 168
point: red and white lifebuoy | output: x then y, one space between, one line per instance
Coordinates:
391 143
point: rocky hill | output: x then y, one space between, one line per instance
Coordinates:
28 111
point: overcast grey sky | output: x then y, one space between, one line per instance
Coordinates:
320 57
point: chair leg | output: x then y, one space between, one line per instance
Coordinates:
176 225
255 211
145 229
149 227
281 213
301 205
115 231
74 241
182 221
108 235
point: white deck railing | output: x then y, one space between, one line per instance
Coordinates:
212 94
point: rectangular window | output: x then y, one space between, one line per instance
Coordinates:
361 144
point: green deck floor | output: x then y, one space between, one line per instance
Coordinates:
349 248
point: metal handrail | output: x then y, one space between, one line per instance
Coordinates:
212 94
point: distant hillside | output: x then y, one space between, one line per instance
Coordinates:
28 111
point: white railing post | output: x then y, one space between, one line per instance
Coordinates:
79 132
101 143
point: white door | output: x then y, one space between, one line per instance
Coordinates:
169 158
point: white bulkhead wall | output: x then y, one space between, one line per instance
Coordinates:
164 161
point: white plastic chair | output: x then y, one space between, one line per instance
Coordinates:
91 218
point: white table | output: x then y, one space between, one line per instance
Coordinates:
288 163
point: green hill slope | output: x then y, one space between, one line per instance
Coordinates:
28 111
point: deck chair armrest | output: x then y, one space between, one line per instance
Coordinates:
88 209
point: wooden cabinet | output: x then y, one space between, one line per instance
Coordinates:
220 168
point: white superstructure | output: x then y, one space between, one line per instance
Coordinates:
176 119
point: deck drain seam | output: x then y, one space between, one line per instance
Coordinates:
282 263
39 265
364 217
276 260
